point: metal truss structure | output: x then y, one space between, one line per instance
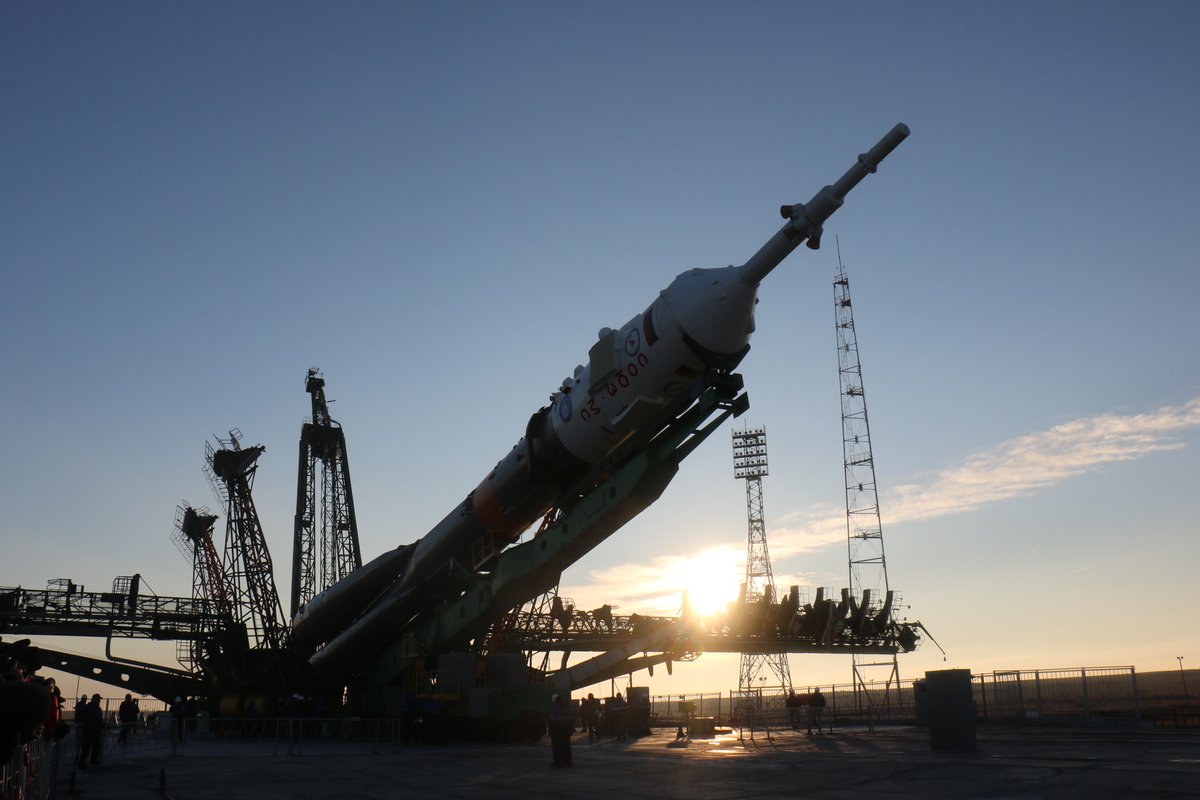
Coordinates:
246 564
193 535
750 465
873 601
322 556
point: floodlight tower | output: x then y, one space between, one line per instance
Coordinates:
750 464
869 590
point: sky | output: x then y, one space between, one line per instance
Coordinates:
440 204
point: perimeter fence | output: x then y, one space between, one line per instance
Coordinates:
1055 695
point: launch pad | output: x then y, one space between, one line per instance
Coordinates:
883 765
473 592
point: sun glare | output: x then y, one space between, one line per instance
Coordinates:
712 579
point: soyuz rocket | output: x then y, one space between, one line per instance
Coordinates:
633 373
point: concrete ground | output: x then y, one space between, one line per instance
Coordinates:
887 764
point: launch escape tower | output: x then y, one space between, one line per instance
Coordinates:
750 464
249 577
335 545
864 533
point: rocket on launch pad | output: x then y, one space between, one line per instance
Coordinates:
633 374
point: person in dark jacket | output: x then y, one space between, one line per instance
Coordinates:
616 713
562 725
792 704
91 733
127 715
179 713
816 709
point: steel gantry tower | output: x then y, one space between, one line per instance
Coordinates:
335 546
750 464
193 535
872 598
249 577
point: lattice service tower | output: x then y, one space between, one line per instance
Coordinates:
750 464
325 547
872 598
193 535
249 576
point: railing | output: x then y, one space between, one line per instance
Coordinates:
72 611
1091 693
32 771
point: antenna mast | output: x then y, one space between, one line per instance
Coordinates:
871 598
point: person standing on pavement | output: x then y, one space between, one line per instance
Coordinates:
591 717
617 713
91 723
562 725
127 714
792 704
816 709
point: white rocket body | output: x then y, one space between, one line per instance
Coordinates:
705 317
633 373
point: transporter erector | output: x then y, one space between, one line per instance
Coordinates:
638 380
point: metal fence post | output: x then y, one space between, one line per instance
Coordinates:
1086 707
1137 703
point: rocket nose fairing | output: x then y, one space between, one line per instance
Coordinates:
704 317
633 374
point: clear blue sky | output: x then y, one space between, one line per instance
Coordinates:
440 204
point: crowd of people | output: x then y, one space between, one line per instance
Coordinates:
33 708
593 716
613 716
30 704
30 716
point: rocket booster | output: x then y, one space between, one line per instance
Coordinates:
633 374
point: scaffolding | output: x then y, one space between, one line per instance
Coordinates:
873 601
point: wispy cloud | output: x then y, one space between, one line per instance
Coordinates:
1033 462
1015 468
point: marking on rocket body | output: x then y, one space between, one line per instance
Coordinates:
648 328
592 410
639 334
633 342
621 379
